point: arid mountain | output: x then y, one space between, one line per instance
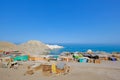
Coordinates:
7 46
34 47
30 47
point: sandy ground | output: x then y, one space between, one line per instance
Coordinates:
107 70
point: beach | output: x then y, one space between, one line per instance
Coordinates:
107 70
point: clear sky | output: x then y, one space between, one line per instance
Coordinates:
60 21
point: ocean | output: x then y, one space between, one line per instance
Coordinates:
84 47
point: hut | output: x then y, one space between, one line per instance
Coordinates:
21 58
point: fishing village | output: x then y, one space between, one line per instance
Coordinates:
28 66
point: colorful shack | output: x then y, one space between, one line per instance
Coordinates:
21 58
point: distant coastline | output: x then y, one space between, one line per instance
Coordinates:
71 47
37 47
54 46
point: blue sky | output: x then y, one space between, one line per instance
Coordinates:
60 21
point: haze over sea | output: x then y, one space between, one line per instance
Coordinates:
109 48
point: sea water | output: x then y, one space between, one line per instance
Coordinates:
109 48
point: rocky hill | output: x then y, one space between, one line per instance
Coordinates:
30 47
7 46
34 47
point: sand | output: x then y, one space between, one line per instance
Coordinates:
107 70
